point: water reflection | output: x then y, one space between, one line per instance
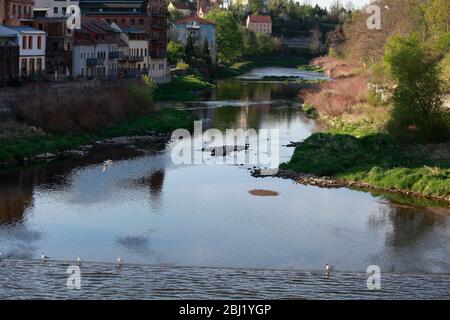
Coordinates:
146 209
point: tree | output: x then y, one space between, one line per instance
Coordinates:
190 48
205 47
256 6
175 52
265 43
229 39
418 107
250 42
315 43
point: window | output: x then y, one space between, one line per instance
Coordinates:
55 10
132 22
38 64
30 42
24 42
63 10
141 21
39 42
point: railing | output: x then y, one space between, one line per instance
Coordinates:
156 54
90 62
136 59
115 54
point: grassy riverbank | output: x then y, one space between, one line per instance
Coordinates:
182 88
356 148
239 68
13 149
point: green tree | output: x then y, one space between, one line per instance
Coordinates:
250 42
418 107
229 39
266 44
256 6
205 48
175 52
189 50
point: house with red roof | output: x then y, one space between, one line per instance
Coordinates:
260 24
183 8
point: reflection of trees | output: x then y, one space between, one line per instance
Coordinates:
155 183
413 241
16 194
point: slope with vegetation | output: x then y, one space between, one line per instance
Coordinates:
388 126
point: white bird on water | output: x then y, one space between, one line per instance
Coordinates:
328 269
106 165
44 257
119 261
79 261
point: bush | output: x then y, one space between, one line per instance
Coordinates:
418 99
175 52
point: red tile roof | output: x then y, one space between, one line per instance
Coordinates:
260 19
194 18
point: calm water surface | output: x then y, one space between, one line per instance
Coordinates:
148 210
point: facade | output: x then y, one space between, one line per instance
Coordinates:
199 29
95 49
133 47
14 12
9 55
122 12
158 15
53 8
59 45
260 24
32 44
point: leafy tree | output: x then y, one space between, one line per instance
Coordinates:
418 106
190 48
256 6
250 42
175 52
229 39
265 43
205 47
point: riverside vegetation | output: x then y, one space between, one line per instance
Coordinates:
55 121
386 124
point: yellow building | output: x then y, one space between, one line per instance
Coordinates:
260 24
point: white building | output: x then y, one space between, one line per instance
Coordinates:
135 56
31 50
53 8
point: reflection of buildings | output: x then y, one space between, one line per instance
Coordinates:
16 194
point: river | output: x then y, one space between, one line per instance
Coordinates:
150 211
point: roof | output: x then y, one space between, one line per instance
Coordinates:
194 18
128 29
181 6
6 32
24 29
260 19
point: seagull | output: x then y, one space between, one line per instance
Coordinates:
106 165
119 261
44 257
79 261
328 269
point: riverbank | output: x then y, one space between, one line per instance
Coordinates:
241 67
182 88
355 151
38 145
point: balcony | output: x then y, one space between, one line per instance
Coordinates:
115 54
160 40
136 59
156 25
158 54
91 62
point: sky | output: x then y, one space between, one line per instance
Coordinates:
326 3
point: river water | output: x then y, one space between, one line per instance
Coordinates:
148 210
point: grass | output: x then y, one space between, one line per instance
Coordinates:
376 160
355 147
166 120
182 88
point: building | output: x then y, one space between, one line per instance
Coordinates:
14 12
198 29
134 56
122 12
260 24
158 15
182 8
95 49
59 45
9 55
32 44
53 8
